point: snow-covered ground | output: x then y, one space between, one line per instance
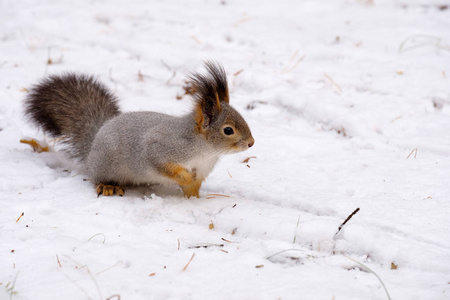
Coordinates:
349 104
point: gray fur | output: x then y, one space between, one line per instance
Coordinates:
126 157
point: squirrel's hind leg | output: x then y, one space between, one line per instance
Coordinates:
109 190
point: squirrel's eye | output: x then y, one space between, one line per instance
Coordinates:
228 130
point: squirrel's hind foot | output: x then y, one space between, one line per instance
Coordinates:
192 190
109 190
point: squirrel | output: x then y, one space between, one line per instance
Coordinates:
118 149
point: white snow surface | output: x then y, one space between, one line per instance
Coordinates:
349 104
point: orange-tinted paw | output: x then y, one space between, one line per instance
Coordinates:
109 190
178 173
193 189
36 145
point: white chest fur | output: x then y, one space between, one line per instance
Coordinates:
202 164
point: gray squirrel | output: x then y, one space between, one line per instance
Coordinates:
118 149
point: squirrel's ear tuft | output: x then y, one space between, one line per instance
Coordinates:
219 78
210 90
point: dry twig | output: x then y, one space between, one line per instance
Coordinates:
248 159
206 246
346 220
140 76
189 89
21 215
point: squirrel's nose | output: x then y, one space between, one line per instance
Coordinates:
251 143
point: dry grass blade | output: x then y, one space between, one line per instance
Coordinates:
293 56
211 196
286 70
104 237
366 2
238 72
397 118
420 40
57 259
269 257
187 265
413 151
371 271
170 79
196 39
241 21
10 287
338 87
296 227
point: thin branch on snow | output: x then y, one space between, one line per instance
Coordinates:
346 220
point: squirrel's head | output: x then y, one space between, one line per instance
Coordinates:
216 120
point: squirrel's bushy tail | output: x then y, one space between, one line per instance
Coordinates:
73 107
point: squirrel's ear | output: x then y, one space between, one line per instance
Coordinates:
210 91
207 109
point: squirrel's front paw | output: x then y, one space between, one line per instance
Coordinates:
109 190
178 173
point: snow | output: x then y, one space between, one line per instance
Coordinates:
349 104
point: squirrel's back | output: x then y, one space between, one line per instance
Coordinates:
73 107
